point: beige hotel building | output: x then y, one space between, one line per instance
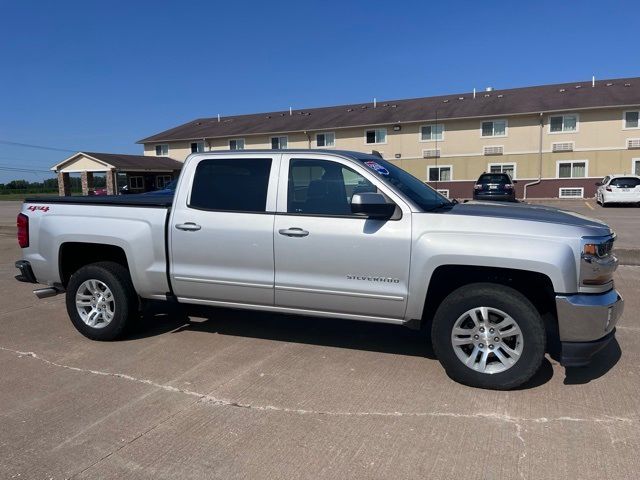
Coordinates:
555 140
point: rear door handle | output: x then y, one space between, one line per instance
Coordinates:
293 232
189 227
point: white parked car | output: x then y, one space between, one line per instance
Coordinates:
618 189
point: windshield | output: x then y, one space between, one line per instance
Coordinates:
420 193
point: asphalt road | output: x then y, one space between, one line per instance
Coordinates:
236 395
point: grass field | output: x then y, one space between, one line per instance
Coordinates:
21 196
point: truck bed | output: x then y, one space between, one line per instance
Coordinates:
157 201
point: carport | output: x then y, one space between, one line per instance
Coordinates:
143 173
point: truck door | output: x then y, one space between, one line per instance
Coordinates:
221 230
328 259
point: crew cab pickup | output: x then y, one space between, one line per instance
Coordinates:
335 234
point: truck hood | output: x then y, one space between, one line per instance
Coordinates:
527 212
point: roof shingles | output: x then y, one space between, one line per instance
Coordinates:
545 98
140 162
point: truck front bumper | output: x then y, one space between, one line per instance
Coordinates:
586 324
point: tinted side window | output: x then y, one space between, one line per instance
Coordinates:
322 187
238 184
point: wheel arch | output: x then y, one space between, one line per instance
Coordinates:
74 255
535 286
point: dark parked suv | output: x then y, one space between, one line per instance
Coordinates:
495 186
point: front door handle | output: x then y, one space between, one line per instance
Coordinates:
189 227
293 232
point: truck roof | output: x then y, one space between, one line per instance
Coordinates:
343 153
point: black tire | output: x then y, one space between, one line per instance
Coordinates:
498 297
117 279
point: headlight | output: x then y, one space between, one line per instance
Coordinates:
597 262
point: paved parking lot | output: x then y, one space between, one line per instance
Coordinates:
624 219
8 212
245 395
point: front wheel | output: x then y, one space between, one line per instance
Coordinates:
488 336
101 300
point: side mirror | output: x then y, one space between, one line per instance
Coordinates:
514 181
372 205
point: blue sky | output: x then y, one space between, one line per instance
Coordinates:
89 75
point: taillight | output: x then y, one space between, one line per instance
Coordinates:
477 187
508 186
23 230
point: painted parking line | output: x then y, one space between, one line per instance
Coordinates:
589 205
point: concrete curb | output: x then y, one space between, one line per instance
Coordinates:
628 256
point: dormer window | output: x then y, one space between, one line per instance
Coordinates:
162 150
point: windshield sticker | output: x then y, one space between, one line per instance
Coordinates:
377 167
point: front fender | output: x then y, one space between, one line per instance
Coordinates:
554 259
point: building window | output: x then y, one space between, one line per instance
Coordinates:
429 133
279 142
494 128
636 166
563 123
237 144
136 183
162 180
231 184
569 192
197 147
440 174
508 168
326 139
576 169
631 119
376 135
162 150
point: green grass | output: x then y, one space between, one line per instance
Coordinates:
21 196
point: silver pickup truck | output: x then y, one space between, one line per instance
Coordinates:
335 234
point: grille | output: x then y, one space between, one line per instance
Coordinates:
633 143
605 249
568 192
497 150
563 147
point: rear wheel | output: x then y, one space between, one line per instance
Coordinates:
101 300
488 336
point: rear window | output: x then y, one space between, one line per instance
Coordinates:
237 185
494 178
625 182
